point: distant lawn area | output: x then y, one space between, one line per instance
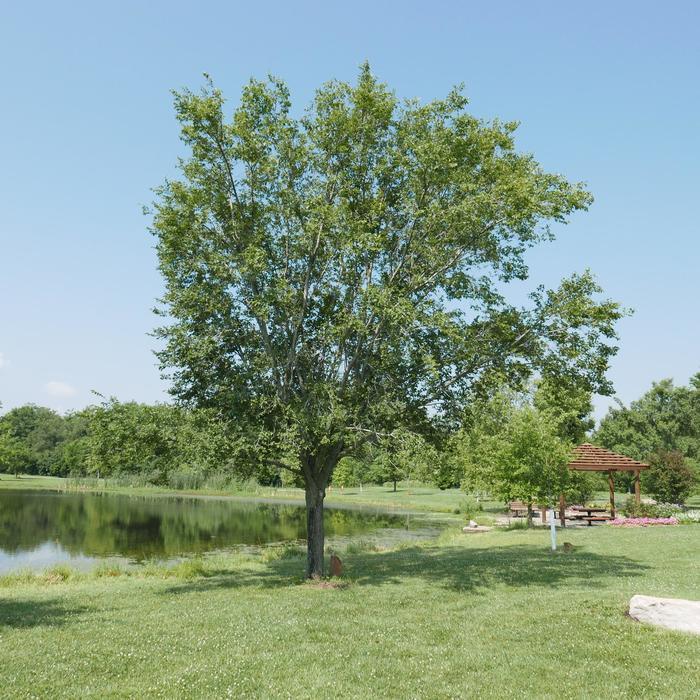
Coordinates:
493 615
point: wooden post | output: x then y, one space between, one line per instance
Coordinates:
562 510
611 484
637 488
543 513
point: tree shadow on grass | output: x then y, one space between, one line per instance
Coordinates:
19 613
454 568
277 575
515 566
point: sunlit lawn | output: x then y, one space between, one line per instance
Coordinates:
487 615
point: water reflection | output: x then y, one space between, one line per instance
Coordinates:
40 528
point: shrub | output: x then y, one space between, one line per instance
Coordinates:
106 569
469 506
517 525
189 569
690 516
185 480
360 547
218 481
58 574
650 510
669 478
275 552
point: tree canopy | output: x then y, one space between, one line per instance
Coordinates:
665 418
517 446
38 440
341 274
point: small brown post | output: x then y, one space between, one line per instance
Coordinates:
543 512
562 510
611 484
637 488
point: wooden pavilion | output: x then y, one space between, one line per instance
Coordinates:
589 458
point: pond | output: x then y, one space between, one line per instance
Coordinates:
42 528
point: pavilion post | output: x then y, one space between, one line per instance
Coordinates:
637 488
611 485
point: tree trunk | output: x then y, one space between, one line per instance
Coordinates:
529 514
315 535
394 485
562 510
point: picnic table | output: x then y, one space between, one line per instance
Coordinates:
518 508
590 515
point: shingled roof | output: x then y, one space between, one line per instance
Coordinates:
590 458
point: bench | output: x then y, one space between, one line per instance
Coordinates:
590 519
518 508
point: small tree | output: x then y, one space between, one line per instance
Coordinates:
338 275
404 455
351 471
668 478
515 453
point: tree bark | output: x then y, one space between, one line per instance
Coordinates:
562 510
315 535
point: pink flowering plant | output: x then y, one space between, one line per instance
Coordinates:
642 522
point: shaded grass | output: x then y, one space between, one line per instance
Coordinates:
488 615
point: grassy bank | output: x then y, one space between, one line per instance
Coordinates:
488 615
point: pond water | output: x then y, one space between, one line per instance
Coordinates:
43 528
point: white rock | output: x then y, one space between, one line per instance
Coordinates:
478 528
473 523
672 613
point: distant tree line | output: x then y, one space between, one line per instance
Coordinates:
515 445
169 445
661 428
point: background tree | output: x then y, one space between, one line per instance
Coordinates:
40 432
514 452
404 455
341 274
568 405
14 455
164 444
352 471
664 419
668 478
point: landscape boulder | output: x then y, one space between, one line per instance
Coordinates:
671 613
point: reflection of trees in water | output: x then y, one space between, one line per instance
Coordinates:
144 527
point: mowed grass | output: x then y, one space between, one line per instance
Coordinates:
493 615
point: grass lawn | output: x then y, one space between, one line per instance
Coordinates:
487 615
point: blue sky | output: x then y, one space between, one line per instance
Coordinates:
607 93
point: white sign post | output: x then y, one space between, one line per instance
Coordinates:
553 530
